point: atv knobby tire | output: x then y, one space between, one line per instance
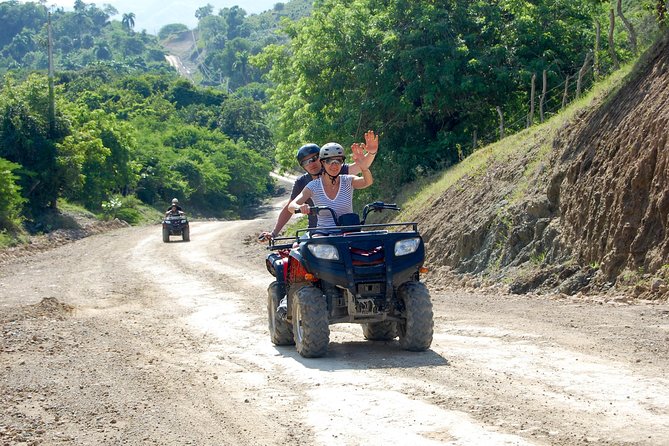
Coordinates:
185 234
311 329
280 331
166 235
415 331
380 331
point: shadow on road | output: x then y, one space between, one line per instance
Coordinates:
365 355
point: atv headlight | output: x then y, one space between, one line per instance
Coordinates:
406 246
325 252
183 221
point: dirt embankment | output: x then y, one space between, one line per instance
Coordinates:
77 230
584 210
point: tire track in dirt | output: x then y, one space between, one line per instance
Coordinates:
360 390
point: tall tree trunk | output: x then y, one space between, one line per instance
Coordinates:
631 34
582 72
543 97
565 95
501 122
612 49
598 37
530 120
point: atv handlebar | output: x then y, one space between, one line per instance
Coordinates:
279 243
317 209
377 206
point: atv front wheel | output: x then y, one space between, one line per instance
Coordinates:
416 330
185 234
311 330
280 331
166 235
380 331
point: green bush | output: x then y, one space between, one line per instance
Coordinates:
129 215
11 203
124 208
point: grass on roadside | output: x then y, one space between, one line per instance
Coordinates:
418 194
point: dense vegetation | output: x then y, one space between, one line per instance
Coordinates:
122 132
429 76
80 38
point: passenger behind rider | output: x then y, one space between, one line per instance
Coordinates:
308 157
334 189
174 208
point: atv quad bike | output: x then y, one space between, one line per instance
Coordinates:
367 274
176 225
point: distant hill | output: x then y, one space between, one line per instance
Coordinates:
217 52
80 38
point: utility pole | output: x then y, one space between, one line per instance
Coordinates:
52 96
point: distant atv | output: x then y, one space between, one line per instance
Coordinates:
365 274
176 225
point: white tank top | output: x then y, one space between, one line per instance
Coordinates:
342 203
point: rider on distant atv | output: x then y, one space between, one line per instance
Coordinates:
174 209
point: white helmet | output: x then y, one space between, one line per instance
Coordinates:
175 201
331 150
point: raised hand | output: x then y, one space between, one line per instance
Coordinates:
358 156
371 142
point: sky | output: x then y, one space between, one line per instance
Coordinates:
152 15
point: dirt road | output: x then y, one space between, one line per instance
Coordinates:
123 339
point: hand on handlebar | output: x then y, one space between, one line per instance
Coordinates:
265 237
303 209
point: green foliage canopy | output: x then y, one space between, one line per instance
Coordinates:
427 75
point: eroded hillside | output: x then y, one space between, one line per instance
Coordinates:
574 206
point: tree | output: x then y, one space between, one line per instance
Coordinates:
128 21
102 51
25 139
79 6
204 11
173 28
244 119
234 18
213 31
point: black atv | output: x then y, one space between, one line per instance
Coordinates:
362 273
176 225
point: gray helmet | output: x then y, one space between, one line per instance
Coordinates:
175 201
331 150
307 150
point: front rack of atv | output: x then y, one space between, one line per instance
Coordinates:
279 243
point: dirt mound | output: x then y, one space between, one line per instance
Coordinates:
582 209
49 308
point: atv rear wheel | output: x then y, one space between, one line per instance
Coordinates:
416 330
311 330
280 331
380 331
185 234
166 234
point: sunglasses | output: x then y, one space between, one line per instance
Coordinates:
309 160
335 161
